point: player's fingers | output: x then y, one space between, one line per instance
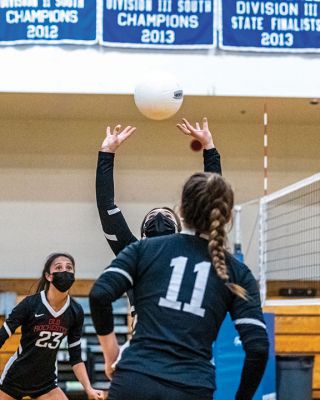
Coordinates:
188 125
127 128
129 131
117 129
108 131
198 126
205 123
183 128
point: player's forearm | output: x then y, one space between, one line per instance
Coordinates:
101 308
211 161
75 355
252 373
110 347
81 374
104 180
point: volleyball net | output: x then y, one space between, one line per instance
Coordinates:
287 239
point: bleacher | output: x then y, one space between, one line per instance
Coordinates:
91 349
10 346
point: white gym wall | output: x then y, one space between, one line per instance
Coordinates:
55 102
49 147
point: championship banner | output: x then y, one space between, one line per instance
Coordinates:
159 23
48 21
277 25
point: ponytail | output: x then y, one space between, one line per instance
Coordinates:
207 202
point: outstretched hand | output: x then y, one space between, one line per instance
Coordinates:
203 135
115 138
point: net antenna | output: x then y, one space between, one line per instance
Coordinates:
265 150
262 254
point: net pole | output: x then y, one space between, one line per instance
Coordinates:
237 240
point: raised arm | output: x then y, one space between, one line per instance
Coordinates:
113 223
211 156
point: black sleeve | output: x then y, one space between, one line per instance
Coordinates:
248 318
74 338
16 318
211 161
252 373
117 279
113 223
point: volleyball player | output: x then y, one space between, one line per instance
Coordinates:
45 319
184 285
159 221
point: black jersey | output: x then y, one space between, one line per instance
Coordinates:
181 304
33 366
115 227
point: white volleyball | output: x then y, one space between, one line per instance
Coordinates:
159 96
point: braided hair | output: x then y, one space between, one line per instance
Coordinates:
206 206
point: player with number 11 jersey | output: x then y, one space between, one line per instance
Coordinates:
184 285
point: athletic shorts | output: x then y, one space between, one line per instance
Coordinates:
18 394
136 386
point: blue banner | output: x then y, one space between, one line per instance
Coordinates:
158 23
277 25
48 21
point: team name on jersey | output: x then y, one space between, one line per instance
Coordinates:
54 325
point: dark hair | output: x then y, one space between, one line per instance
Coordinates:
206 206
176 216
43 283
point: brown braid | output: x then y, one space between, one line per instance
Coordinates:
207 202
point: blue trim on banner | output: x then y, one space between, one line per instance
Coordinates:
162 24
270 26
48 22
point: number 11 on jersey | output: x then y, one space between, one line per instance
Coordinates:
202 270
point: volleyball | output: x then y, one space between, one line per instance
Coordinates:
159 96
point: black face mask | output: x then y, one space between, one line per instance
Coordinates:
62 280
159 225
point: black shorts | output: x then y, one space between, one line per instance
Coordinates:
136 386
18 393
